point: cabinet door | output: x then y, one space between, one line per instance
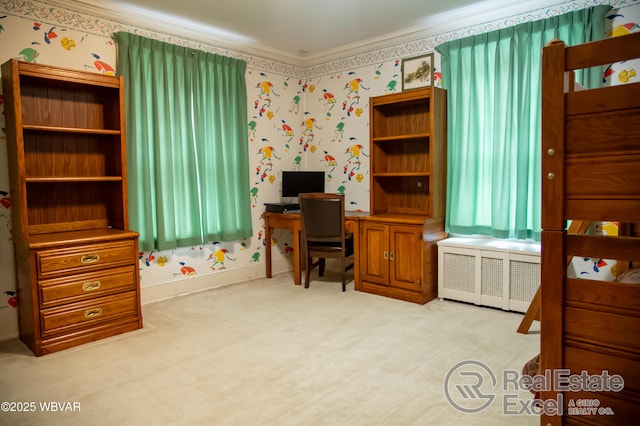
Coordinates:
406 257
374 253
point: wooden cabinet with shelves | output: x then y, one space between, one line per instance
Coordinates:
77 267
398 256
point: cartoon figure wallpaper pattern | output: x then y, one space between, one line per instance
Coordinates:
8 298
303 128
39 42
622 72
597 269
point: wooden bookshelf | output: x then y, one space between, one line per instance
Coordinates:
78 274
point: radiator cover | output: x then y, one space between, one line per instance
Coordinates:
489 272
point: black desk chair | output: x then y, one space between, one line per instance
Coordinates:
323 232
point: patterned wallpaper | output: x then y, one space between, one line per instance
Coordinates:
298 119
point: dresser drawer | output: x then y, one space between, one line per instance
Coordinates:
75 288
79 259
68 318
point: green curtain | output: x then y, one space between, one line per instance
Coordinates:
187 150
494 88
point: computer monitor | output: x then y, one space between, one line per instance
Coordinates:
296 182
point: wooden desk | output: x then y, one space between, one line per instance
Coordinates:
293 221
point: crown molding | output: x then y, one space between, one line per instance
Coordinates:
108 17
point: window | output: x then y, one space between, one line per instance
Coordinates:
187 151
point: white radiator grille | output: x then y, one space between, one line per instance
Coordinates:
492 273
524 280
489 272
459 272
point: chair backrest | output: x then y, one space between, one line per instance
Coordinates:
322 216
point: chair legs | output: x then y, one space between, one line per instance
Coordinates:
307 271
310 265
321 266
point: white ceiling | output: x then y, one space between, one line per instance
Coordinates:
298 30
298 26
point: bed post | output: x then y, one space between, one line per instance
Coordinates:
553 223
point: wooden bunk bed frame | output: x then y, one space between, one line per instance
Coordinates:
590 172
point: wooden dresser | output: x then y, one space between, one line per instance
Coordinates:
76 259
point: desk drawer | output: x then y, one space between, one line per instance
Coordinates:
78 259
57 291
68 318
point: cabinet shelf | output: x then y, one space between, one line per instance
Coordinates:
52 75
74 179
59 129
401 174
401 138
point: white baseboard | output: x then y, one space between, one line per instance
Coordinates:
162 291
9 319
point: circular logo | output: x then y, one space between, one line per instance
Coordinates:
469 386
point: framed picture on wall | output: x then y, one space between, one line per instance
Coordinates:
417 72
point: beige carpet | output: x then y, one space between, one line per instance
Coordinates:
267 352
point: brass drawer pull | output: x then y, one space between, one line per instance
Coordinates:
92 313
91 285
90 258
